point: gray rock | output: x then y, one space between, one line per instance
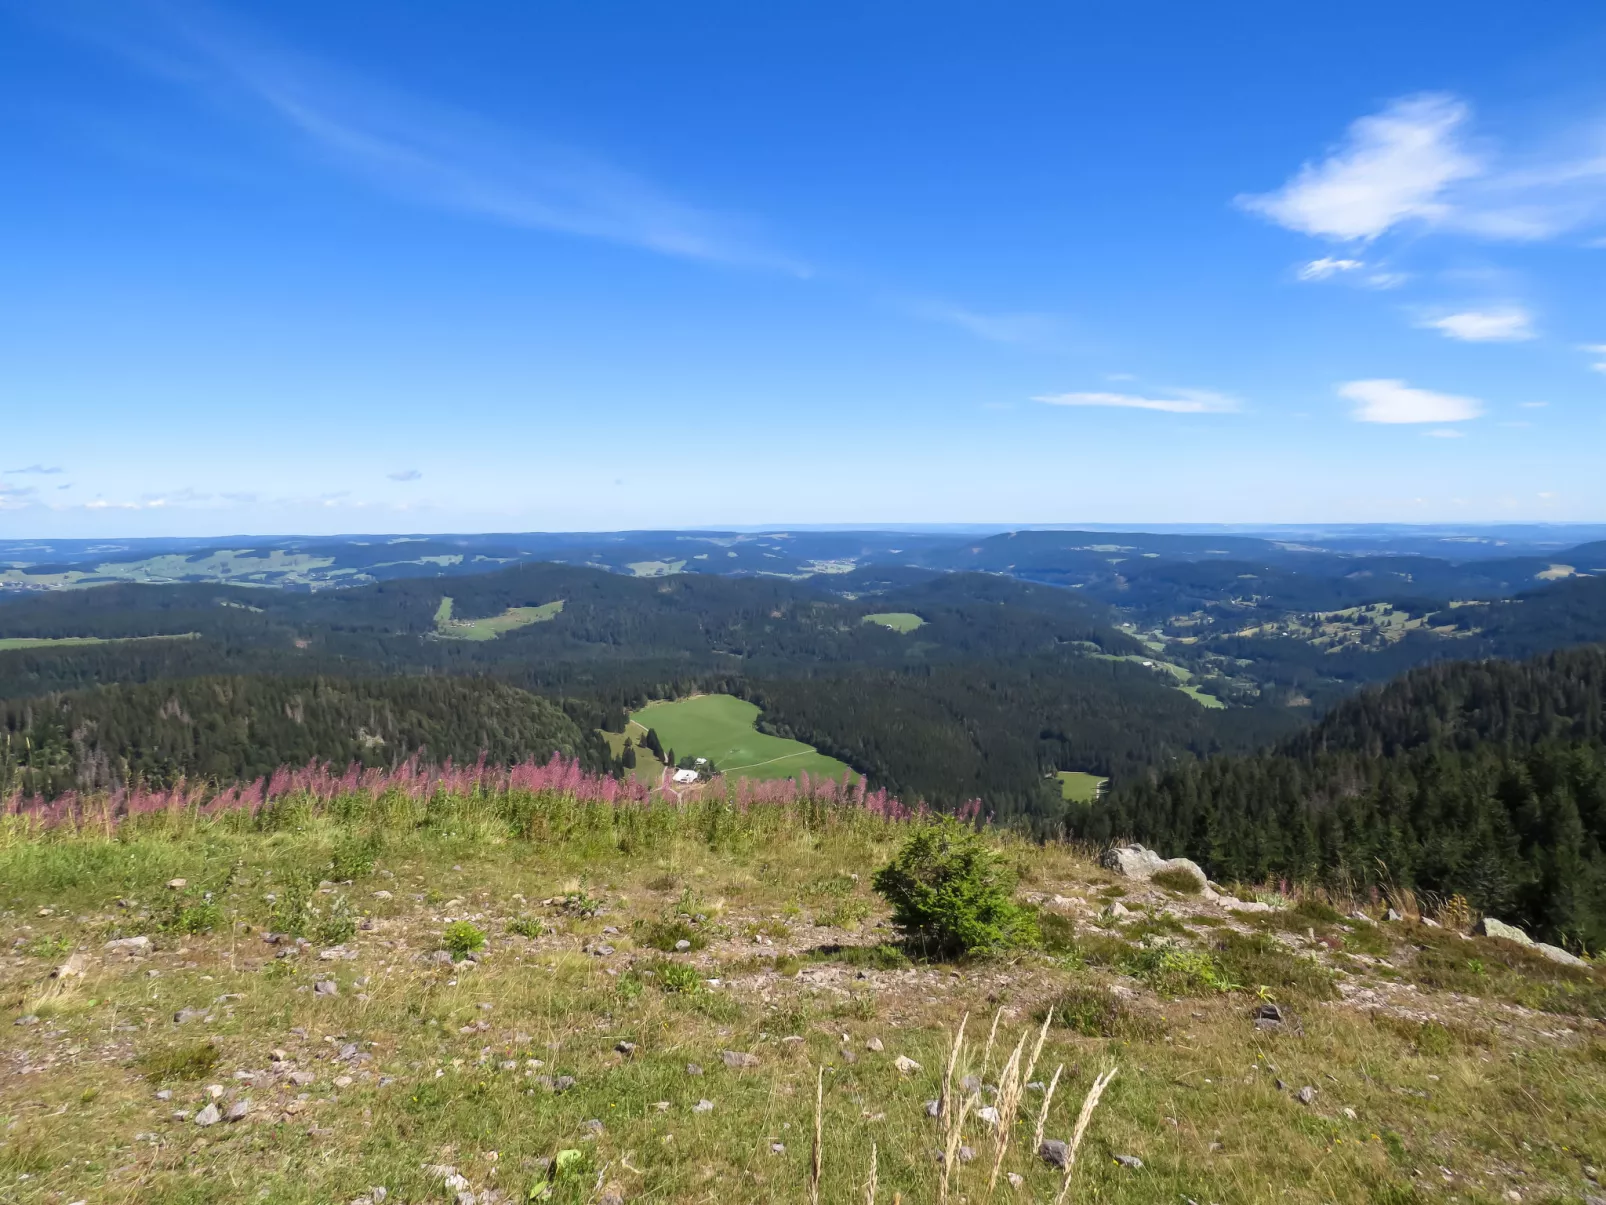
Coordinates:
905 1064
209 1116
326 987
625 1048
563 1083
130 945
1131 1161
1306 1095
777 1148
966 1154
302 1079
1490 927
347 1052
1557 954
738 1058
1136 862
165 1094
238 1110
683 944
26 1019
185 1015
1015 1179
934 1108
874 1044
1054 1153
693 1069
602 951
1392 914
703 1106
594 1126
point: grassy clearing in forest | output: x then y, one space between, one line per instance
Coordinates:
578 1027
7 643
491 626
903 622
720 728
1079 787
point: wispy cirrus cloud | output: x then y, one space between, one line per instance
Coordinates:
1509 324
415 149
1385 400
1596 349
38 469
1020 327
1184 401
405 475
1328 267
1417 163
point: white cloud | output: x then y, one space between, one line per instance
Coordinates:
1533 405
1391 168
1596 349
1415 163
405 475
1509 325
1446 433
1327 267
1391 401
1186 401
39 469
1386 280
417 150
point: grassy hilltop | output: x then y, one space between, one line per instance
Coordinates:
660 989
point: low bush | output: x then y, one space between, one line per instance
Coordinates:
1096 1013
337 925
677 977
526 926
1260 961
952 895
881 958
667 934
1177 970
462 939
1180 881
188 1062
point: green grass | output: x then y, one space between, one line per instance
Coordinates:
492 626
899 621
8 643
1203 699
1077 787
720 728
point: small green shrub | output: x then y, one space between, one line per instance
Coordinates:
1258 960
1177 970
1096 1013
677 977
775 930
1057 932
665 934
337 925
951 894
526 926
1180 881
881 958
291 905
1315 912
355 856
189 1062
193 916
48 947
849 912
462 939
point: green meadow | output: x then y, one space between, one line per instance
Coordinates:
898 621
720 728
7 643
491 626
1077 787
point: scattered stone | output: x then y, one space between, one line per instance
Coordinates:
594 1126
988 1114
1015 1179
563 1083
970 1085
238 1110
1351 1114
26 1019
703 1106
874 1044
73 968
612 1194
661 1105
777 1148
1131 1161
383 895
165 1094
1557 954
185 1015
693 1069
343 1081
1306 1095
1119 910
208 1116
1037 1085
966 1154
130 945
1136 862
177 884
326 987
683 944
1393 914
602 951
302 1079
739 1058
1054 1153
906 1064
934 1108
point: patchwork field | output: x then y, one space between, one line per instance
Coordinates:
720 728
898 621
492 626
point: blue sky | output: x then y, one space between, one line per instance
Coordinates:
301 267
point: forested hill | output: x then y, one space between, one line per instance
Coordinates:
229 729
1484 778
